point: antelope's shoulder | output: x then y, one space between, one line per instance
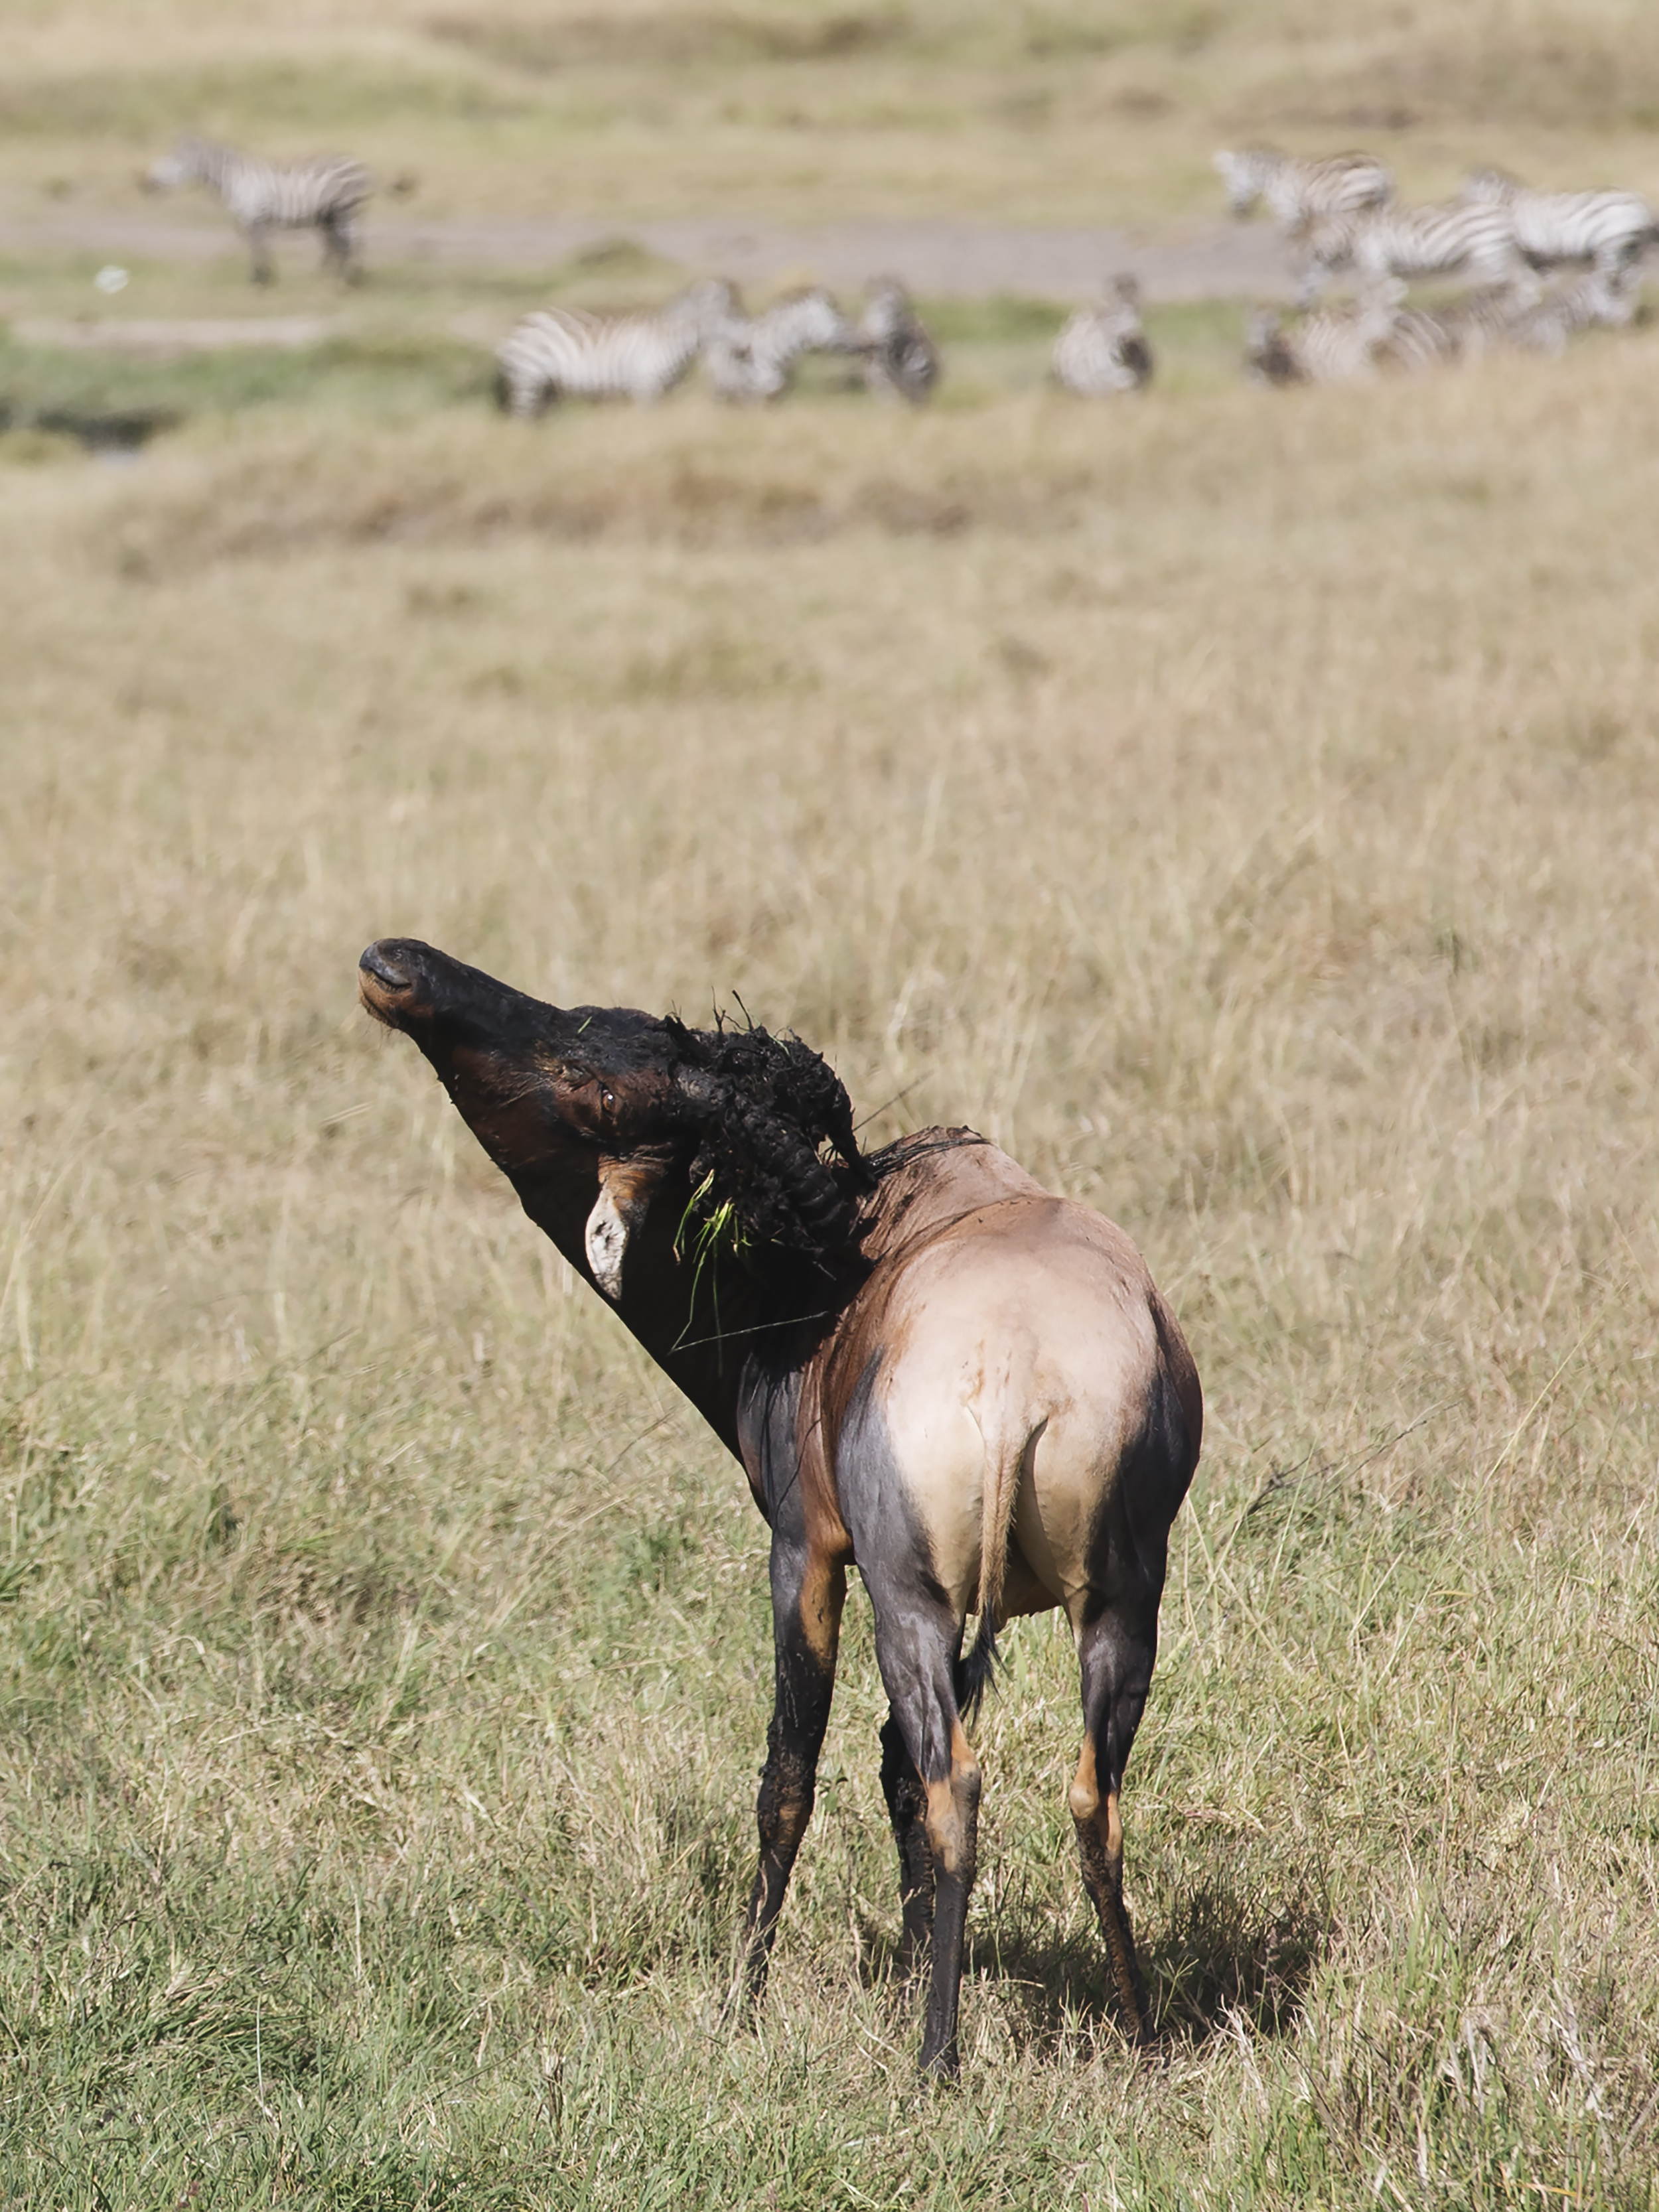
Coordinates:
952 1185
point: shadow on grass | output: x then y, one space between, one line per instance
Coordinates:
1222 1955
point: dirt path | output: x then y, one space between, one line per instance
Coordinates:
944 257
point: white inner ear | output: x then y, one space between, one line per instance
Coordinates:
607 1243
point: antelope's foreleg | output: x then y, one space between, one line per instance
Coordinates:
907 1808
1117 1666
808 1592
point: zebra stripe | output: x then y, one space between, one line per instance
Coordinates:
324 195
900 361
1349 343
1581 304
754 360
558 353
1610 230
1104 349
1466 238
1333 345
1499 319
1296 191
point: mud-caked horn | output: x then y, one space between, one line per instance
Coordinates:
791 1195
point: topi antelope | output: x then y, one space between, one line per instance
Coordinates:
928 1367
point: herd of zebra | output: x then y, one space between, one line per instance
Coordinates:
1544 264
560 352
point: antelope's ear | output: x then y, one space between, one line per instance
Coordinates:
626 1191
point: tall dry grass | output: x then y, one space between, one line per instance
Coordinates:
1233 803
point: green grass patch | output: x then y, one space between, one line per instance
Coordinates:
1005 319
377 376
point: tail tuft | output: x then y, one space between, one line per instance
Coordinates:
976 1673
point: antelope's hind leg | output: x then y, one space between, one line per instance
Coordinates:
1117 1671
917 1643
907 1808
808 1593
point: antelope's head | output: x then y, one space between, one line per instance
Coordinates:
595 1108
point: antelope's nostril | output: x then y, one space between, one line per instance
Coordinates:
385 971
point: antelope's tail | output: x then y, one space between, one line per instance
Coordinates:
1007 1458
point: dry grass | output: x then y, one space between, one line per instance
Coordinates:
1237 803
1238 809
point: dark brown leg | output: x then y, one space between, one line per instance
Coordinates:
1117 1667
1100 1850
952 1828
906 1807
918 1645
807 1596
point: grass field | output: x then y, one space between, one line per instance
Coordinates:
1237 803
1091 111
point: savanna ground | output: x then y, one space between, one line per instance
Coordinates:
1235 804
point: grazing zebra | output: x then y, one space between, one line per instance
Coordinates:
1609 230
1333 345
1466 238
1104 349
755 359
900 361
1295 190
558 353
1498 319
324 195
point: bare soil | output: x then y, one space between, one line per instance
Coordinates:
942 257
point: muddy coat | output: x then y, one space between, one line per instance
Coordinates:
978 1398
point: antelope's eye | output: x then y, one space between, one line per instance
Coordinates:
607 1097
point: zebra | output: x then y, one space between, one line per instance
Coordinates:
900 359
1349 343
558 353
1104 349
1333 345
1610 230
1465 239
1295 191
1582 303
1496 319
755 359
324 195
